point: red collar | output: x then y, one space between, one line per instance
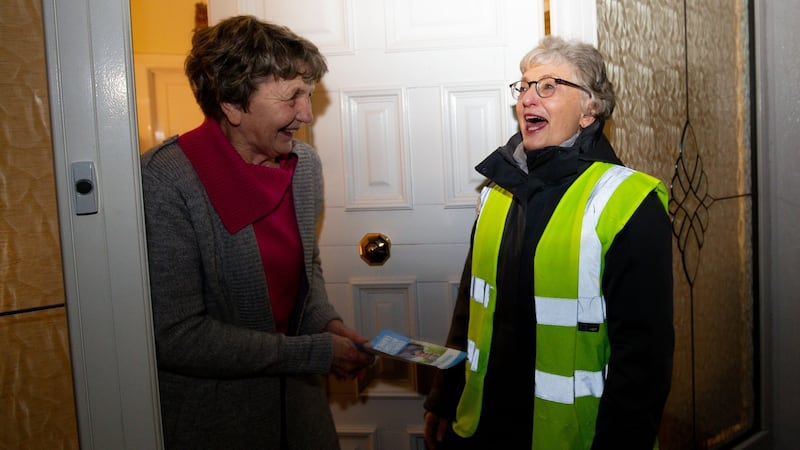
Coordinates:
240 192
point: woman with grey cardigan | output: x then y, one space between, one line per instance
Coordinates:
244 331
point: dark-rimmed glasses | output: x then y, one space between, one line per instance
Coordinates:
545 87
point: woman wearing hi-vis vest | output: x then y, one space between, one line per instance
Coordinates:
565 303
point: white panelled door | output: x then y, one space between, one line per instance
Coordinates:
416 96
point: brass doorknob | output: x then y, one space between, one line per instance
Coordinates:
374 248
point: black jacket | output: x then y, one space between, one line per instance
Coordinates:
637 284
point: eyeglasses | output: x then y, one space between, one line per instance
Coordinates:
545 87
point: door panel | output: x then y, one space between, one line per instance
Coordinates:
416 96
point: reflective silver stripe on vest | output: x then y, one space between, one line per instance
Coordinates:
561 311
591 248
561 389
473 355
479 291
484 195
555 388
590 306
589 384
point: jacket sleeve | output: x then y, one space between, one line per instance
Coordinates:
637 283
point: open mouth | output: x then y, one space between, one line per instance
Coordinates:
534 123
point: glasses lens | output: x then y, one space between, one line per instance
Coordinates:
546 87
518 88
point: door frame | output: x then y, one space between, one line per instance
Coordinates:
92 114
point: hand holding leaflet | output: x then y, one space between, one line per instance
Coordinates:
397 346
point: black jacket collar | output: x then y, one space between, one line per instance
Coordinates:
547 165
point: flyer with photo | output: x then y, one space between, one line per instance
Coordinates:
397 346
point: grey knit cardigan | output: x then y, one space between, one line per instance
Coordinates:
222 367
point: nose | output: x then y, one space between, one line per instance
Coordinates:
529 97
304 112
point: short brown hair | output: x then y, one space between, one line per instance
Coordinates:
228 61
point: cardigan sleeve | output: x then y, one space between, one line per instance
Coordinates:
308 190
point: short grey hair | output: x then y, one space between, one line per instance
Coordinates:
589 64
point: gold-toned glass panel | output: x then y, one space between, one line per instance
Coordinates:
681 70
36 400
36 397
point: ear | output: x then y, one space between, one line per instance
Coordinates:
232 112
586 120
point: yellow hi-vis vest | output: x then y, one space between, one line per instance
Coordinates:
572 349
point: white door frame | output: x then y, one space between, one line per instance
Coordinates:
92 108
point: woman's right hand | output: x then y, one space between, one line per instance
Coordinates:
435 427
348 360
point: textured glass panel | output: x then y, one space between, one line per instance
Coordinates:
36 401
681 73
30 255
36 383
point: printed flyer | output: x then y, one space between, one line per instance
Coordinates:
397 346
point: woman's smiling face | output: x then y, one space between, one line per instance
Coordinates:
276 110
551 121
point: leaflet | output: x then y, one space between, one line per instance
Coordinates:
397 346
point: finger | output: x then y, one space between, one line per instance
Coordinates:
442 429
430 442
429 432
361 374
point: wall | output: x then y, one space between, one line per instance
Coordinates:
36 399
160 27
162 34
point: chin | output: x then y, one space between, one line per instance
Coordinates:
532 144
